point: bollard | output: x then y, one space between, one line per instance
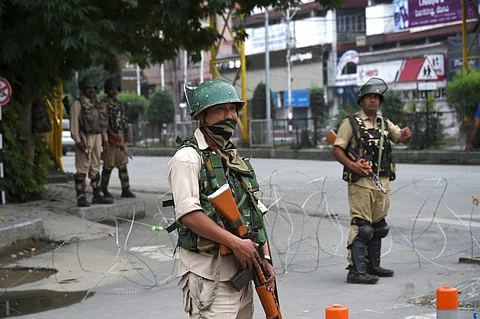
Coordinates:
447 303
336 312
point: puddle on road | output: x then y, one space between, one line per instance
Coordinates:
19 303
16 276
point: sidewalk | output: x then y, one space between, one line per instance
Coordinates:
29 227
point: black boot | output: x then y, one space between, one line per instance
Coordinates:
354 277
80 188
106 193
127 193
357 273
125 180
106 173
374 247
98 197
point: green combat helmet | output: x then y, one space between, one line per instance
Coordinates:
87 82
112 84
210 93
375 86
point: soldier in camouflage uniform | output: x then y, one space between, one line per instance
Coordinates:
369 135
88 130
215 103
118 137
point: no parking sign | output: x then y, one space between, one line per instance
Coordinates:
5 91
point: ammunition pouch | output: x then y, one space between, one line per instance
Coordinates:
349 175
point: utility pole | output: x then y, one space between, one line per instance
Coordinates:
139 92
267 81
288 18
201 66
162 76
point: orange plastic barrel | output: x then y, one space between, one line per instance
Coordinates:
336 312
447 303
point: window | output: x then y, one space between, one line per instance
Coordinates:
351 23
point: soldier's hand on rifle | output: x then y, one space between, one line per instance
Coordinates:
105 146
81 146
245 251
270 274
361 167
117 137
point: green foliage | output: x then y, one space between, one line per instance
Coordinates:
393 107
424 135
344 111
305 139
135 105
160 108
258 104
317 103
45 41
24 178
319 108
463 95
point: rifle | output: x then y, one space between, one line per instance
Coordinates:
119 145
225 205
350 152
84 141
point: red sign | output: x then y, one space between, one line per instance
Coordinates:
5 91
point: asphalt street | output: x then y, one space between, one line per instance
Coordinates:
433 223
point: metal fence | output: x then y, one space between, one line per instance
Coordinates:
429 130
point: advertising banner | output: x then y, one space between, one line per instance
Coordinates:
388 71
300 98
400 15
429 12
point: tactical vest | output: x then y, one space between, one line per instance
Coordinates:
244 188
92 118
117 121
367 145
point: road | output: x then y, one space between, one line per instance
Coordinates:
432 217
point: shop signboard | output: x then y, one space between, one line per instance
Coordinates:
430 12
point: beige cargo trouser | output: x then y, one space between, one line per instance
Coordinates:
115 157
228 303
90 166
367 204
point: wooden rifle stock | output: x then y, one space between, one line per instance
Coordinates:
119 145
225 205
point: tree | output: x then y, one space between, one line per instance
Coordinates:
161 110
258 104
48 40
463 95
135 105
318 107
393 108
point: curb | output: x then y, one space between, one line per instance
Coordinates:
121 208
21 229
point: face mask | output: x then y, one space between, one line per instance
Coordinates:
223 129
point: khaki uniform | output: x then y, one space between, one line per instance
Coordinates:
197 272
93 142
366 201
115 157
